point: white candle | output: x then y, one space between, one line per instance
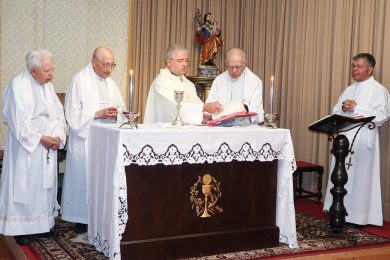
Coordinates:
131 86
271 94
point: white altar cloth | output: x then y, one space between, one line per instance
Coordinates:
111 149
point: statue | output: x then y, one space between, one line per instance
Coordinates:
207 34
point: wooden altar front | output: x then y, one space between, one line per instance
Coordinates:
164 222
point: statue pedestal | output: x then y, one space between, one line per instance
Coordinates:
208 71
203 86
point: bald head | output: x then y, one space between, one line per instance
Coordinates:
101 52
236 53
235 62
103 62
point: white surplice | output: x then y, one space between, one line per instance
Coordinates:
28 193
248 88
363 200
161 104
86 94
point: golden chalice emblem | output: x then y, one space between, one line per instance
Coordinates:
204 196
206 189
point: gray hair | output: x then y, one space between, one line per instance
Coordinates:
239 51
369 58
172 48
35 58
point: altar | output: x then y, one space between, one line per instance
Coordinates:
160 188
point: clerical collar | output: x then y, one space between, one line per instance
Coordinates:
176 77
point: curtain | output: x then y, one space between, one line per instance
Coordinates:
306 44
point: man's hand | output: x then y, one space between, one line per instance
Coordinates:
348 105
213 107
206 118
50 142
107 113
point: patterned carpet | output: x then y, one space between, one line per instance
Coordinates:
314 234
68 245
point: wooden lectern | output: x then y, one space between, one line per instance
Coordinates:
333 125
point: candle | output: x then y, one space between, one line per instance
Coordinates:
131 86
271 94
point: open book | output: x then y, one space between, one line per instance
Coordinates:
235 119
230 108
337 123
233 114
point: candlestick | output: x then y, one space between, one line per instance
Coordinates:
131 86
271 93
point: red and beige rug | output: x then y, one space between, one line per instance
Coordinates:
313 231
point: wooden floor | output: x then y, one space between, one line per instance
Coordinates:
10 250
381 253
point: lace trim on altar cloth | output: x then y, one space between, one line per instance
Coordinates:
122 211
104 247
173 156
289 236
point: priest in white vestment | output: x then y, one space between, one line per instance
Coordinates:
92 96
238 84
161 104
36 129
365 97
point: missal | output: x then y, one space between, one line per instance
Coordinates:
242 118
338 123
230 108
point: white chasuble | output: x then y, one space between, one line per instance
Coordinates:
86 94
248 89
363 200
28 193
161 104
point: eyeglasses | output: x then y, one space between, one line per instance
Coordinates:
181 61
238 68
359 67
107 65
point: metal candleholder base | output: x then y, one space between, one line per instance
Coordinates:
270 120
131 116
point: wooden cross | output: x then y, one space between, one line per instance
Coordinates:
349 162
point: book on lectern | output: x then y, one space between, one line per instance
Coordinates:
332 123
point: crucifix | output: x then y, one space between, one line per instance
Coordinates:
47 156
349 162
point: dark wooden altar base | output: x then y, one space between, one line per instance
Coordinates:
162 223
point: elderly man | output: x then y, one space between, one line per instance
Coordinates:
365 97
238 84
36 129
161 104
92 96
